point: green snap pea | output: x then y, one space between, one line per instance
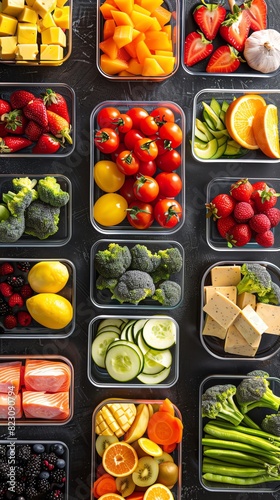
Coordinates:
240 481
232 456
235 445
227 470
246 430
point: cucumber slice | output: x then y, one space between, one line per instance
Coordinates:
151 367
109 328
137 327
163 358
110 322
123 362
159 334
99 347
154 379
142 344
125 330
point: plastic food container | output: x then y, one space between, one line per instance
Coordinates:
213 238
174 7
256 414
269 345
64 404
199 69
102 298
253 156
35 330
100 377
64 233
96 459
96 155
69 95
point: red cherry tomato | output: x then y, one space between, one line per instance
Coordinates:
145 188
132 137
107 116
148 125
170 184
169 161
127 189
168 212
137 114
171 132
146 149
123 123
127 163
147 168
163 146
121 147
140 214
106 140
163 114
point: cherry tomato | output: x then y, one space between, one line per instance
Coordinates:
171 132
123 123
163 146
148 125
132 137
107 176
107 116
163 114
121 147
137 114
140 214
145 188
168 212
170 184
110 209
106 140
147 168
127 189
146 149
127 163
169 161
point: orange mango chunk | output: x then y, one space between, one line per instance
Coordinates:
112 66
168 29
131 47
135 67
123 35
151 67
125 5
109 47
151 5
163 15
166 62
157 40
121 18
164 53
155 26
106 10
141 22
140 9
142 51
108 28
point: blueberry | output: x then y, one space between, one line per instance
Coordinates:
20 498
58 449
38 448
60 463
44 474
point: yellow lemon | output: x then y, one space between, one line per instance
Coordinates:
48 276
50 310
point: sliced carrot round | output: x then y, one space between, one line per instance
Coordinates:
164 429
167 406
104 484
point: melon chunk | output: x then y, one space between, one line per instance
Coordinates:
142 51
125 5
151 67
121 18
123 35
163 15
109 47
112 66
108 28
141 22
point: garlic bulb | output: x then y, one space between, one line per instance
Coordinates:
262 50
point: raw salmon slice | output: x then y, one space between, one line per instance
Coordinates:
47 376
10 372
10 404
45 405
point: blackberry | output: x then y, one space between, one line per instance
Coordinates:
3 489
48 460
2 449
20 487
24 266
33 466
23 454
58 476
31 492
43 485
19 472
4 471
4 307
55 495
15 281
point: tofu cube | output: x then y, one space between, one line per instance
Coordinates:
222 310
250 325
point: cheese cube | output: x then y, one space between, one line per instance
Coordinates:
225 275
62 17
7 47
12 7
229 291
270 314
27 33
246 298
235 343
28 15
42 7
46 23
222 310
8 25
26 51
51 52
211 327
54 36
250 325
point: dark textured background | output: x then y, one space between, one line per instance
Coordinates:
91 88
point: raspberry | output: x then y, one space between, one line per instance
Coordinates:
260 223
16 300
274 216
26 291
6 289
243 211
24 318
10 321
265 239
6 268
15 281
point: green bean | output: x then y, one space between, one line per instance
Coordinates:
235 445
235 457
246 430
227 470
241 481
234 435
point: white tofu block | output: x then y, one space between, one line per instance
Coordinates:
246 298
228 291
225 275
270 314
221 309
211 327
235 343
250 325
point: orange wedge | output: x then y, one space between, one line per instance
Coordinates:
119 459
265 128
239 119
158 492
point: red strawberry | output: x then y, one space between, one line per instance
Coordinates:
19 98
224 60
265 239
241 190
239 235
10 321
197 48
11 144
36 110
6 289
57 103
260 223
221 206
16 300
274 216
235 28
59 127
225 224
47 144
15 122
243 211
26 291
33 131
209 18
6 268
24 318
3 130
257 10
266 199
5 107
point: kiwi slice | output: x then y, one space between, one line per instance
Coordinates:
168 474
102 442
125 485
146 472
165 457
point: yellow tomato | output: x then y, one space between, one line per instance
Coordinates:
107 176
110 209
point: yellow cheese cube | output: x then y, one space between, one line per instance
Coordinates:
12 7
60 3
7 47
221 309
29 3
61 17
212 328
229 291
8 24
236 344
225 275
246 298
27 33
51 52
250 325
28 15
42 7
54 36
270 314
26 51
47 22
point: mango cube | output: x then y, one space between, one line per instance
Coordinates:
28 15
151 67
51 52
27 51
121 18
7 47
61 17
123 35
8 24
54 36
27 33
12 7
112 66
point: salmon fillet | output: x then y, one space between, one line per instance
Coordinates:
10 374
45 405
14 404
47 376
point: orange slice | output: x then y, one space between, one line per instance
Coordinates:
120 459
239 119
158 492
150 447
111 496
265 128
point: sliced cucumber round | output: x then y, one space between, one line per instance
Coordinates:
150 366
123 362
164 358
159 333
99 347
154 379
110 322
141 343
137 327
108 328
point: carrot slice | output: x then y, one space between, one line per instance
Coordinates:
168 448
136 495
164 428
167 406
104 484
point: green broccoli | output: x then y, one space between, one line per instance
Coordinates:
218 402
254 392
49 191
134 286
11 229
271 424
113 261
21 182
256 279
18 202
143 259
171 262
41 220
168 293
258 373
271 297
106 283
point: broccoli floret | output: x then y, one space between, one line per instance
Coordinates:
106 283
254 392
218 402
143 259
49 191
271 424
171 262
18 202
258 373
271 297
112 262
256 279
134 286
12 229
41 220
21 182
168 293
